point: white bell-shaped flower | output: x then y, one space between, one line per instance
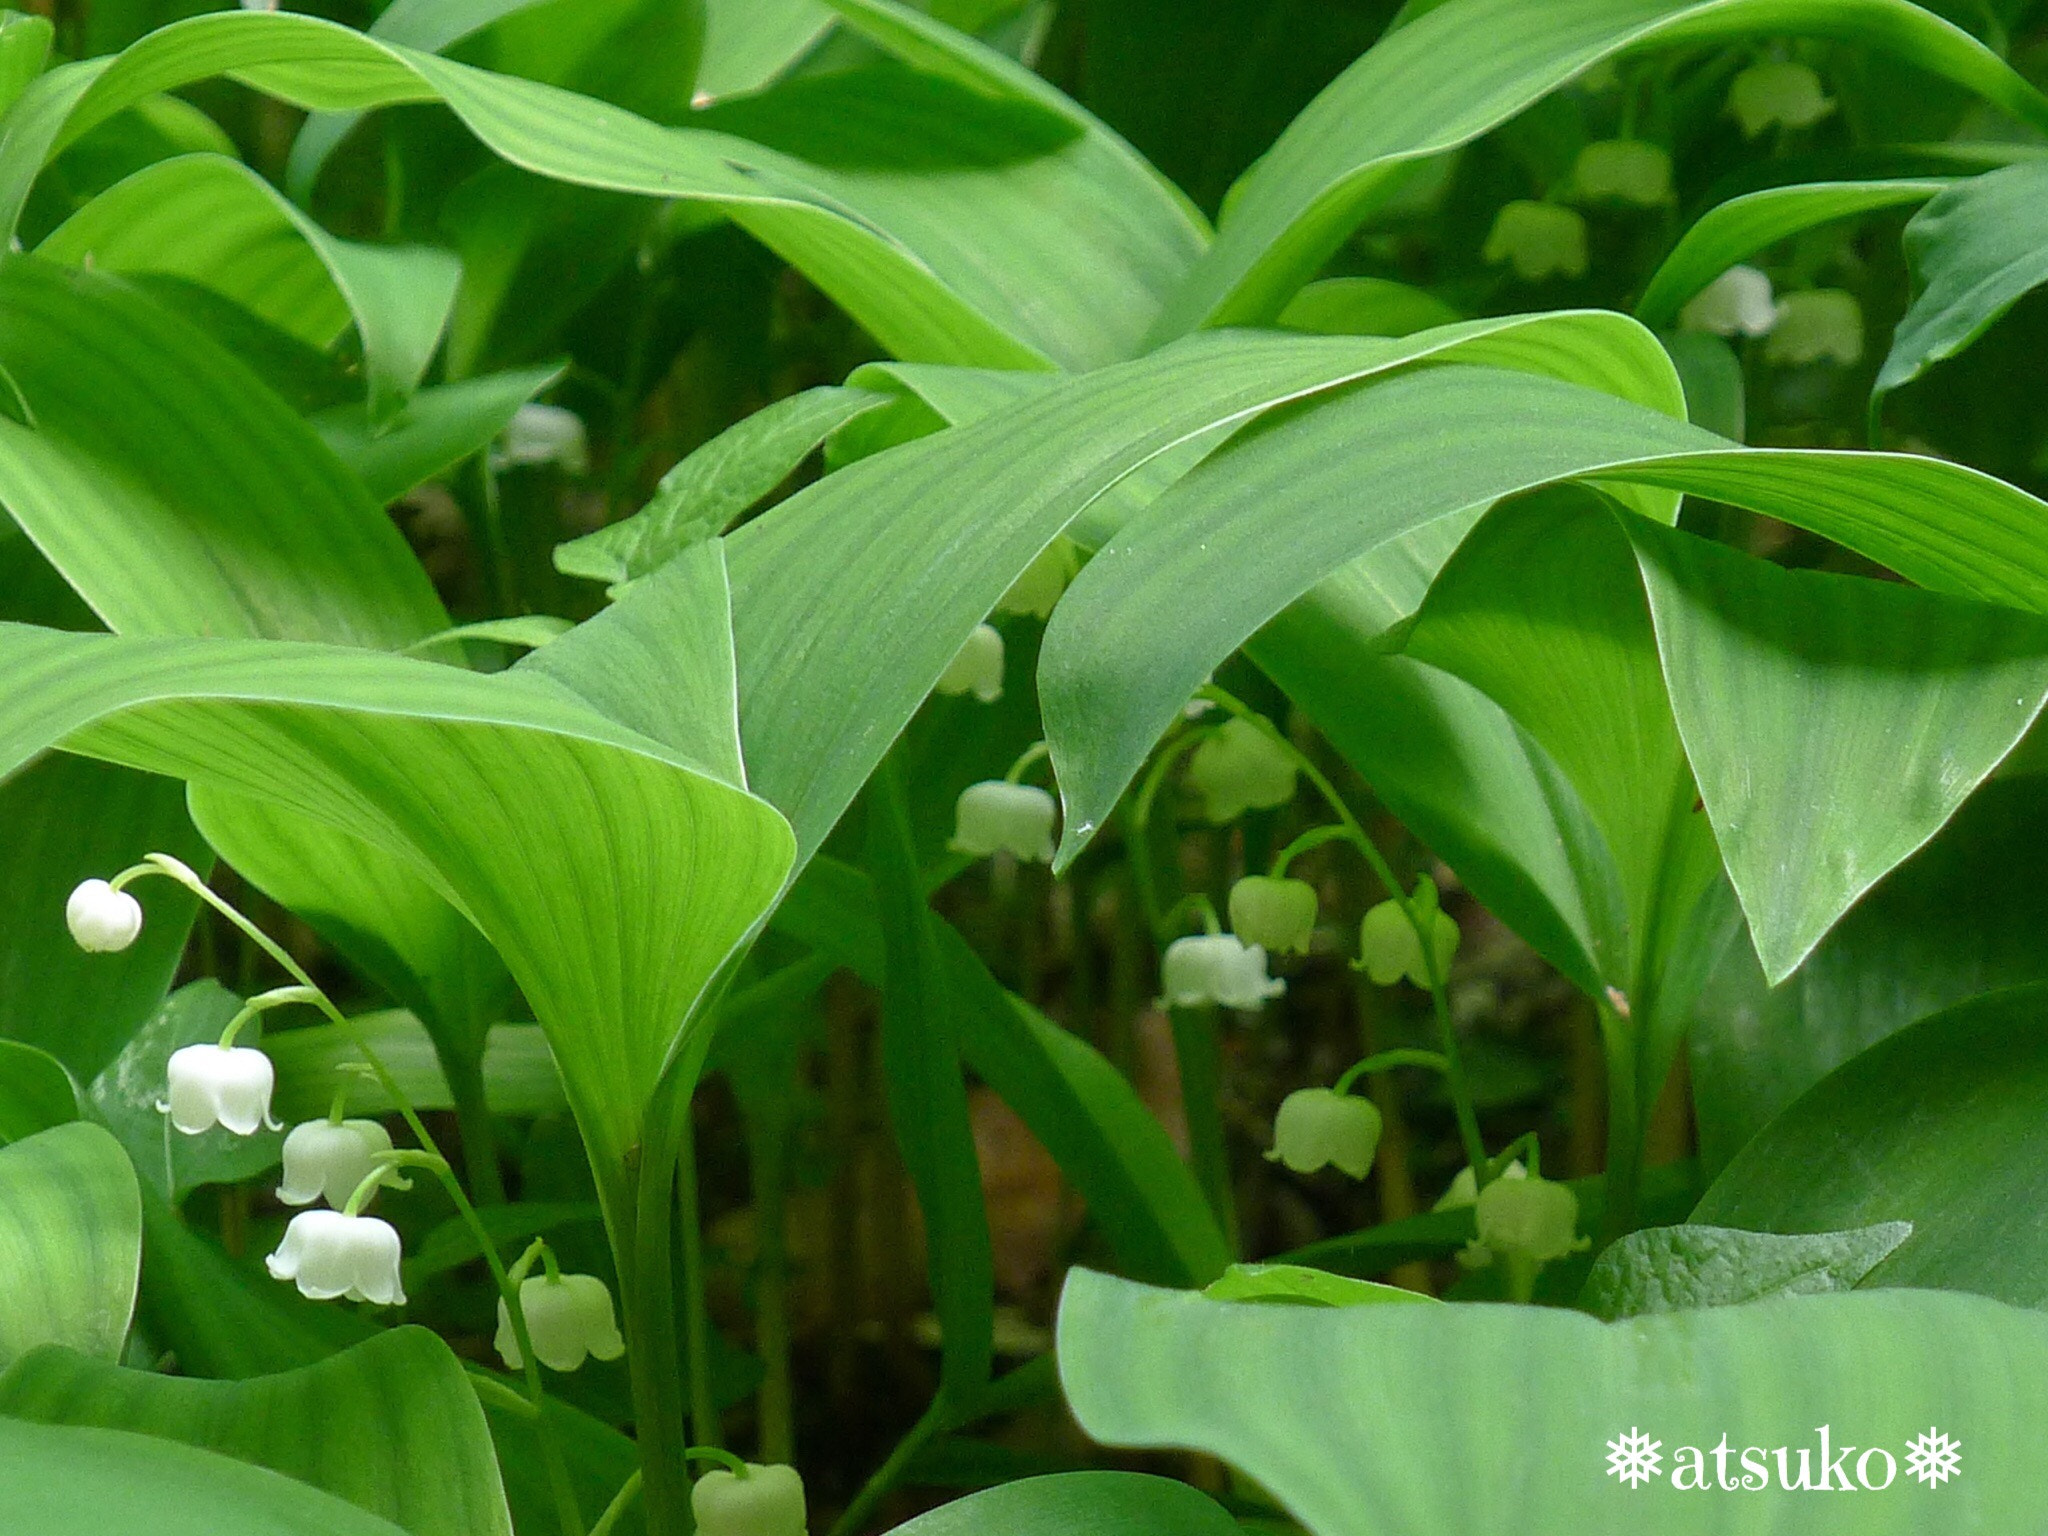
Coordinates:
1240 769
324 1160
978 669
1217 968
226 1085
999 817
1274 912
1737 303
768 1501
330 1254
1044 580
1624 171
1320 1127
1538 240
1777 93
568 1318
1823 325
102 920
543 434
1528 1219
1388 948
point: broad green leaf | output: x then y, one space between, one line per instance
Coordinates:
214 221
63 1480
1465 68
71 819
1833 723
1680 1269
1297 1285
1080 1504
1365 306
1372 1421
518 1069
1942 1125
36 1092
1975 250
24 49
70 1242
415 1449
749 44
1736 230
432 432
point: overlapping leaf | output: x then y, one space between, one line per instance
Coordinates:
70 1242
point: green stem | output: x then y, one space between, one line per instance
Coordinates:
1381 1061
1198 1049
1032 755
876 1488
1626 1113
704 1425
616 1510
1140 830
479 1134
644 1231
1314 837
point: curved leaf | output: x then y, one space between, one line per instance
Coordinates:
432 432
1080 1504
1680 1269
70 1242
520 1078
36 1092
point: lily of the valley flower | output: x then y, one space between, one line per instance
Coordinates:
1624 171
1388 948
1737 303
767 1501
1217 968
323 1159
1538 240
227 1085
1464 1188
1820 325
1320 1127
331 1253
1777 93
1000 817
1238 769
1531 1219
568 1317
543 434
1274 912
1044 579
102 920
978 669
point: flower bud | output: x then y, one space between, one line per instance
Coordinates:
1388 948
328 1161
568 1317
1777 93
330 1254
1216 968
1319 1127
1277 914
1464 1188
977 669
1240 769
226 1085
543 434
1624 171
1529 1219
1737 303
102 920
999 817
768 1501
1821 325
1044 580
1538 240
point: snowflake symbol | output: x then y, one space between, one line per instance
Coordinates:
1633 1457
1933 1458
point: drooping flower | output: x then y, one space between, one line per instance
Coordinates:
324 1160
1274 912
1044 579
568 1318
543 434
978 668
1388 948
1624 171
1819 325
1528 1219
768 1501
996 816
1464 1188
226 1085
1217 968
1737 303
1238 769
1538 240
102 920
330 1254
1320 1127
1777 93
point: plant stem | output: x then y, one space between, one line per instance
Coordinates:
1625 1127
1197 1046
768 1136
704 1426
621 1502
473 1121
644 1233
876 1488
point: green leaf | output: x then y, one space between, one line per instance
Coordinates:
749 44
1080 1504
1300 1286
1680 1269
24 49
1736 230
215 222
1975 250
432 432
1833 723
62 1480
1465 68
418 1453
36 1092
1365 306
70 1242
1368 1420
518 1069
1942 1125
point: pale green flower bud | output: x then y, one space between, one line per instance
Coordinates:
1822 325
1777 93
1624 171
999 817
768 1501
1319 1127
543 434
978 669
1275 913
1737 303
102 920
1216 968
228 1085
324 1160
1388 948
1538 240
1044 579
1528 1219
1240 769
1464 1188
330 1254
568 1317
